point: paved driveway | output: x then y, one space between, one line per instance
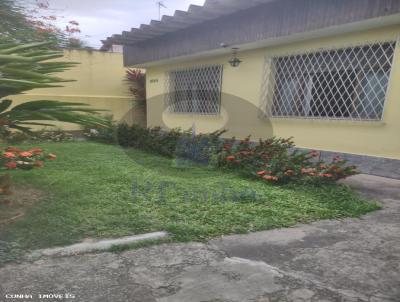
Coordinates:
348 260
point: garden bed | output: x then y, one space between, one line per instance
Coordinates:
94 190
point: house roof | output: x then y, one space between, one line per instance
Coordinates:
219 25
212 9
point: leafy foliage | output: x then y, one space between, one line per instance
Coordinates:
24 67
15 158
136 80
170 143
16 26
35 21
276 159
150 139
201 148
272 160
102 133
56 135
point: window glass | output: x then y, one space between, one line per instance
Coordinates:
194 90
347 83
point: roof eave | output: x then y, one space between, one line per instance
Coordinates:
315 34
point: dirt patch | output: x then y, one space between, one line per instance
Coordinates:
14 206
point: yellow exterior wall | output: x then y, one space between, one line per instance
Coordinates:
99 81
380 139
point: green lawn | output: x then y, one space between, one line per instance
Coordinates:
89 193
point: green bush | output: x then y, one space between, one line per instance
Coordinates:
105 133
199 148
149 139
272 160
171 143
14 137
57 135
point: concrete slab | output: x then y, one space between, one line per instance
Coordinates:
359 258
101 245
348 260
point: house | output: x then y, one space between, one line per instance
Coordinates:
326 73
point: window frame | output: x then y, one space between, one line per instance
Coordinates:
184 101
304 91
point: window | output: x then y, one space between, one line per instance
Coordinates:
349 83
194 90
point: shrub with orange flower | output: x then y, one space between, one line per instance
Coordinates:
11 165
270 178
9 155
277 160
25 154
15 158
36 151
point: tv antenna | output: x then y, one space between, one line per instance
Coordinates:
160 5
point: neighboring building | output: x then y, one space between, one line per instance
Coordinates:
324 72
99 80
112 48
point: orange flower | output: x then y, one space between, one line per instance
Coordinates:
36 151
230 158
11 165
328 175
310 171
9 155
261 173
270 178
52 156
38 164
26 154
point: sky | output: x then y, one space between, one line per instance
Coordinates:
100 19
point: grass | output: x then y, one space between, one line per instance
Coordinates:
101 191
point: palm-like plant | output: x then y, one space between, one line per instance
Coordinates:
25 67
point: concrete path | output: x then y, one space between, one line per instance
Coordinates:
349 260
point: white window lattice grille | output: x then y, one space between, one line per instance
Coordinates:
348 83
194 90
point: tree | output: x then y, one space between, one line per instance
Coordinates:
17 26
25 67
36 23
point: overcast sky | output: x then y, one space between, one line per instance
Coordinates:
101 18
